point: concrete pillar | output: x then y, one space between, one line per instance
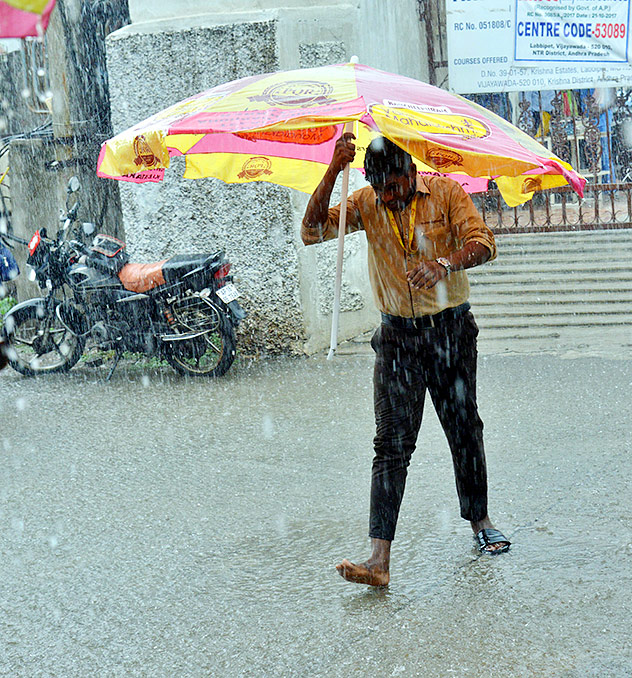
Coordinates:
153 64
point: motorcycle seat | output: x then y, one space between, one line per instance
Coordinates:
175 268
142 277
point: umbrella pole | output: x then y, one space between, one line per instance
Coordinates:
342 225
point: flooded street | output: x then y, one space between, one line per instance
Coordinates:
154 526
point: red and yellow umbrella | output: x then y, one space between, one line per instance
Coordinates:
24 18
282 127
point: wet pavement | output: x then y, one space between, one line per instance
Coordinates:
154 526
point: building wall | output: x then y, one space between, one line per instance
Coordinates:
288 288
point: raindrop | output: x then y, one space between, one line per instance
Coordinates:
20 404
459 388
605 97
145 381
26 93
9 324
268 427
64 349
442 293
626 131
53 541
41 72
17 524
281 525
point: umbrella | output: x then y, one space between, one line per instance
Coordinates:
282 127
23 18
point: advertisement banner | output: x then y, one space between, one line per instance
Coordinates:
581 30
483 43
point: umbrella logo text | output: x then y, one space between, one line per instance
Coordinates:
443 157
296 93
531 184
464 126
309 136
254 167
144 154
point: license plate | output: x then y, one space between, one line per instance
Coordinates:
228 293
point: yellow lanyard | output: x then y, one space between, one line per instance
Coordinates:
411 225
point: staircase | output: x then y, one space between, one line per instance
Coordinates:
556 290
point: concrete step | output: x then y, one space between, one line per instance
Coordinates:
532 305
563 267
535 278
563 240
546 247
578 312
552 288
510 256
509 246
609 235
550 320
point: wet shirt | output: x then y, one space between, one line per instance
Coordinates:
444 220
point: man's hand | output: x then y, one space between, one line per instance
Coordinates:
344 153
426 275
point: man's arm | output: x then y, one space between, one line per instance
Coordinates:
479 242
318 205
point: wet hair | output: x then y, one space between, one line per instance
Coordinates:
384 158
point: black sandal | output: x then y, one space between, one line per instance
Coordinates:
488 536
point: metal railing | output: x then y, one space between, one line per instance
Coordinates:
604 206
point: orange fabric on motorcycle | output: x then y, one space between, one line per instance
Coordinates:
142 277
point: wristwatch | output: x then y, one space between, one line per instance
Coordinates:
445 263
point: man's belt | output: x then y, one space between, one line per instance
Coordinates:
425 322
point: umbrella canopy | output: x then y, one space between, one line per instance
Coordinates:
282 128
24 18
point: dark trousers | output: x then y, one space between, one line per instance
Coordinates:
441 360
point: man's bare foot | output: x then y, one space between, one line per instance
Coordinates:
365 573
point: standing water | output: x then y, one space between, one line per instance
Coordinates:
154 526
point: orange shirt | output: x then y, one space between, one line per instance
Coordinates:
445 219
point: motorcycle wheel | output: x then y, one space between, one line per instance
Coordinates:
207 356
35 349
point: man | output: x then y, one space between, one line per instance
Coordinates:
422 233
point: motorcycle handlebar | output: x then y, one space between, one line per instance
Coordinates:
79 247
72 212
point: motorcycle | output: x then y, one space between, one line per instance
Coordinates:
183 309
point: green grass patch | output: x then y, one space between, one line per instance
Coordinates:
6 304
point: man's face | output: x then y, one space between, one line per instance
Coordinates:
396 190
